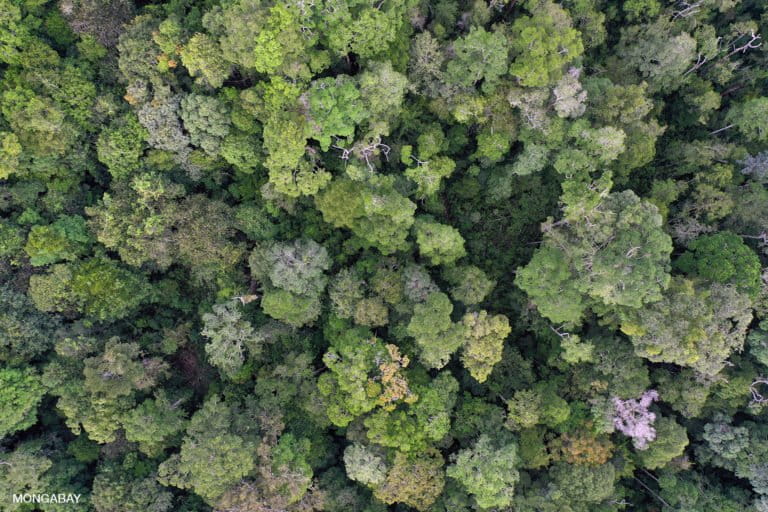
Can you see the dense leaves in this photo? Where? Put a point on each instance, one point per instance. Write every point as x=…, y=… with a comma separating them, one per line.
x=342, y=255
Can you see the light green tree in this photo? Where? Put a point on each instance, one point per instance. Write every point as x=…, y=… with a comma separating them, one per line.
x=438, y=243
x=487, y=472
x=542, y=45
x=618, y=255
x=205, y=61
x=365, y=465
x=378, y=214
x=21, y=393
x=671, y=440
x=212, y=458
x=230, y=335
x=97, y=287
x=692, y=325
x=484, y=343
x=65, y=239
x=436, y=336
x=749, y=117
x=154, y=424
x=336, y=108
x=120, y=369
x=480, y=55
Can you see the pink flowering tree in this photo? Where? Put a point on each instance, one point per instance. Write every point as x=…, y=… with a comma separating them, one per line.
x=633, y=419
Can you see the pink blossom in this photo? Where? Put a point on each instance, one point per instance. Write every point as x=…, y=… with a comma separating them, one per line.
x=632, y=418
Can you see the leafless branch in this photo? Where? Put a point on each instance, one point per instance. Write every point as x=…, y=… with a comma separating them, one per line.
x=757, y=396
x=722, y=129
x=700, y=61
x=750, y=45
x=686, y=9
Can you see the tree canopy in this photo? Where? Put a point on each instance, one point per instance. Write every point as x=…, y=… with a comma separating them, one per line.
x=361, y=256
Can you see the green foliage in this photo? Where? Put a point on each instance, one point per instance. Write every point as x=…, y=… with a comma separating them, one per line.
x=439, y=243
x=39, y=124
x=426, y=420
x=20, y=396
x=206, y=120
x=10, y=150
x=211, y=459
x=548, y=279
x=723, y=258
x=350, y=360
x=670, y=442
x=473, y=415
x=429, y=175
x=276, y=105
x=380, y=216
x=120, y=369
x=758, y=344
x=479, y=55
x=618, y=257
x=229, y=334
x=98, y=287
x=484, y=343
x=487, y=472
x=694, y=490
x=154, y=424
x=435, y=334
x=204, y=60
x=576, y=351
x=64, y=240
x=120, y=146
x=364, y=465
x=14, y=33
x=524, y=410
x=295, y=273
x=297, y=267
x=361, y=28
x=469, y=284
x=146, y=220
x=580, y=484
x=242, y=151
x=335, y=108
x=278, y=48
x=635, y=9
x=25, y=333
x=749, y=117
x=414, y=479
x=291, y=453
x=657, y=52
x=279, y=42
x=117, y=487
x=724, y=439
x=24, y=470
x=475, y=232
x=691, y=326
x=12, y=239
x=382, y=90
x=293, y=309
x=542, y=45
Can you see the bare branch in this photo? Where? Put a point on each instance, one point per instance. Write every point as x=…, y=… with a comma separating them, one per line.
x=757, y=396
x=749, y=46
x=687, y=9
x=700, y=61
x=722, y=129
